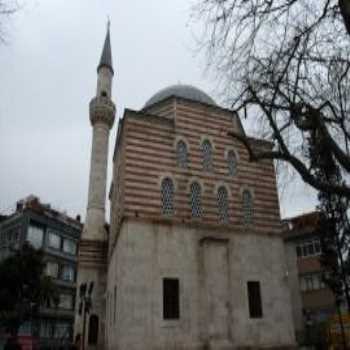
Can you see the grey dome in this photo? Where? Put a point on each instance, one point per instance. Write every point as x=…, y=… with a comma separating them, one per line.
x=185, y=91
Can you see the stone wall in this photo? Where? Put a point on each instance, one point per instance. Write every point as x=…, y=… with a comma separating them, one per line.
x=213, y=268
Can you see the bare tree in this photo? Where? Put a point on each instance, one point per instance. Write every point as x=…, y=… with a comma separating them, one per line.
x=7, y=9
x=285, y=64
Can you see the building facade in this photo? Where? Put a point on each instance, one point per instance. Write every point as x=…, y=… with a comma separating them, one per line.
x=194, y=257
x=301, y=236
x=58, y=236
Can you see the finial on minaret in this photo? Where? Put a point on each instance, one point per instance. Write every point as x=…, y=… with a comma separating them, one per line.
x=106, y=56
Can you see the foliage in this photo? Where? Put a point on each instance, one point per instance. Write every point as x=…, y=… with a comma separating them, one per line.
x=23, y=287
x=334, y=228
x=285, y=64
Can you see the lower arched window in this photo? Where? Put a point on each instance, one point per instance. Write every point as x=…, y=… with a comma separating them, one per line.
x=195, y=199
x=93, y=330
x=167, y=196
x=247, y=206
x=223, y=207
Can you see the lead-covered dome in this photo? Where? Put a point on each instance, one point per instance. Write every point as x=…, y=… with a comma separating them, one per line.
x=185, y=91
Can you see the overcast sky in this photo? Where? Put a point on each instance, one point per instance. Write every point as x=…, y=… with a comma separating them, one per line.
x=48, y=76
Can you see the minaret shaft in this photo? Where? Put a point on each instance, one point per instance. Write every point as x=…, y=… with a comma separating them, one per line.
x=95, y=218
x=92, y=261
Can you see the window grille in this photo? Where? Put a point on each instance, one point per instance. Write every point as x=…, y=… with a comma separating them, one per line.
x=182, y=154
x=207, y=153
x=247, y=207
x=195, y=198
x=223, y=204
x=167, y=196
x=232, y=163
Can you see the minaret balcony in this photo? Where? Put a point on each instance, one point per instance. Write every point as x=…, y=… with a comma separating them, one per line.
x=102, y=110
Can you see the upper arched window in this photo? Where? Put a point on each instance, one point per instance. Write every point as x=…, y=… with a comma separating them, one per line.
x=182, y=154
x=223, y=209
x=195, y=199
x=232, y=163
x=207, y=154
x=247, y=206
x=167, y=196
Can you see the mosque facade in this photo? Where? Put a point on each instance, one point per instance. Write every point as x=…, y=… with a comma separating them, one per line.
x=193, y=257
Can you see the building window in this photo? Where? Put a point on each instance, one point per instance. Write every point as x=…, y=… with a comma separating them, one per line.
x=171, y=299
x=247, y=207
x=254, y=299
x=195, y=198
x=62, y=330
x=308, y=248
x=66, y=301
x=68, y=273
x=35, y=236
x=93, y=330
x=54, y=240
x=52, y=269
x=232, y=163
x=182, y=154
x=312, y=281
x=167, y=196
x=69, y=246
x=207, y=154
x=222, y=198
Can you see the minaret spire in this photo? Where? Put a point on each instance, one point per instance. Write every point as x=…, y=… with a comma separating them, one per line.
x=106, y=56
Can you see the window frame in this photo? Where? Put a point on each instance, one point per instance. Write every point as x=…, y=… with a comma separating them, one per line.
x=37, y=228
x=207, y=160
x=64, y=246
x=166, y=210
x=171, y=299
x=51, y=233
x=255, y=305
x=47, y=268
x=71, y=273
x=224, y=218
x=228, y=159
x=182, y=161
x=193, y=206
x=247, y=209
x=304, y=248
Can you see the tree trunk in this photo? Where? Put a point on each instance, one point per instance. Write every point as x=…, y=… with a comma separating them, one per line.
x=344, y=6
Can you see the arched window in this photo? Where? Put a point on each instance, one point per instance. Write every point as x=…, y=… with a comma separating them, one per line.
x=167, y=196
x=207, y=154
x=232, y=163
x=93, y=330
x=195, y=200
x=247, y=207
x=223, y=204
x=182, y=154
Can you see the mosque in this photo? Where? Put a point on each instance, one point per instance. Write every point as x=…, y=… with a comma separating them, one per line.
x=193, y=257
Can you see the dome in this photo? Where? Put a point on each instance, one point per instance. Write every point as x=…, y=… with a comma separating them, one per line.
x=185, y=91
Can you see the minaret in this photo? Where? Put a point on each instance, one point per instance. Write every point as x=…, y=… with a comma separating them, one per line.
x=92, y=262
